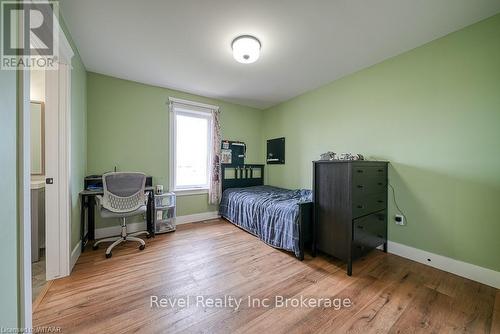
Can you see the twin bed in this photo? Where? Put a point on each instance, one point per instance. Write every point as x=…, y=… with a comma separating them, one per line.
x=282, y=218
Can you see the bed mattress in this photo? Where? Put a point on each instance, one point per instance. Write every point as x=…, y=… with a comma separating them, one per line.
x=270, y=213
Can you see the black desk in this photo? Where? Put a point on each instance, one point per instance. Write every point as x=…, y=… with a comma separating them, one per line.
x=88, y=200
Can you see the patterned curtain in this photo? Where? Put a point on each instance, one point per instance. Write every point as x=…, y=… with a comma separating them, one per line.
x=215, y=190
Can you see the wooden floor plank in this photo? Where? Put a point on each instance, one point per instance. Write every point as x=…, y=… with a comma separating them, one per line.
x=495, y=324
x=216, y=259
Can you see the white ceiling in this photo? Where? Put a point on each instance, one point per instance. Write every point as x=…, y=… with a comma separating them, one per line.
x=185, y=44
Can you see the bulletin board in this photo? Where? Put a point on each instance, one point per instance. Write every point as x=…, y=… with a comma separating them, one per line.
x=233, y=153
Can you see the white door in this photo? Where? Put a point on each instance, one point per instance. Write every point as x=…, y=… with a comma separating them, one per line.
x=57, y=195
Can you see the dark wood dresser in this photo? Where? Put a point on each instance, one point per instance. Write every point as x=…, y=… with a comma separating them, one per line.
x=350, y=208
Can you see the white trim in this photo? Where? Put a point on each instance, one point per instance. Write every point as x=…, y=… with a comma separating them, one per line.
x=105, y=232
x=192, y=111
x=58, y=195
x=65, y=167
x=66, y=54
x=198, y=189
x=197, y=217
x=58, y=154
x=65, y=50
x=464, y=269
x=171, y=147
x=24, y=193
x=52, y=250
x=192, y=103
x=75, y=254
x=189, y=192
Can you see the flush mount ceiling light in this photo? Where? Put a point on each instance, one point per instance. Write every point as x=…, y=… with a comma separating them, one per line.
x=246, y=49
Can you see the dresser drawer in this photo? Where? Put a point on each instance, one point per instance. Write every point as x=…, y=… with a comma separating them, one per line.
x=374, y=225
x=368, y=180
x=365, y=205
x=369, y=232
x=361, y=248
x=369, y=171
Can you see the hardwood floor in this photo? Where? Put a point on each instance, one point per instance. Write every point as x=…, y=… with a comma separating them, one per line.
x=216, y=259
x=38, y=279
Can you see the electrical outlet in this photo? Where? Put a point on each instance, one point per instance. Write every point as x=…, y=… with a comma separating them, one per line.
x=400, y=220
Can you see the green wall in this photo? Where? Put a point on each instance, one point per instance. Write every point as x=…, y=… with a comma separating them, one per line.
x=128, y=127
x=434, y=113
x=8, y=197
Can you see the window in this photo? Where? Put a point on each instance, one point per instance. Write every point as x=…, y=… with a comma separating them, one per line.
x=190, y=146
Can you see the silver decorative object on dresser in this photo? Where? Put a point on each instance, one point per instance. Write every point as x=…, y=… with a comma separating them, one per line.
x=164, y=209
x=331, y=156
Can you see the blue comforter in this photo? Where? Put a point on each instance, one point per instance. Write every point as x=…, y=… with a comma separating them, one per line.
x=268, y=212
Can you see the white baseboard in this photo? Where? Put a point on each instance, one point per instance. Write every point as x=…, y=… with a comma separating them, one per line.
x=75, y=254
x=111, y=231
x=464, y=269
x=197, y=217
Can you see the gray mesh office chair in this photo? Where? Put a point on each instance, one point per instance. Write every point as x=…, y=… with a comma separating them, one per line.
x=123, y=197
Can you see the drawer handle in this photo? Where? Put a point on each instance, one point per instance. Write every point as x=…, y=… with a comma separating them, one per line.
x=380, y=201
x=359, y=170
x=380, y=236
x=360, y=186
x=380, y=183
x=380, y=170
x=360, y=207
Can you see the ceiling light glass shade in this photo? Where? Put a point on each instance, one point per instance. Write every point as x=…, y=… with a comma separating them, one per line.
x=246, y=49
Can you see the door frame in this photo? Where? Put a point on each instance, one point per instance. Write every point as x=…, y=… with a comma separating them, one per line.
x=59, y=87
x=58, y=159
x=24, y=189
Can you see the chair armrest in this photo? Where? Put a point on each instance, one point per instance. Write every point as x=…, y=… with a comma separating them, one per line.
x=99, y=199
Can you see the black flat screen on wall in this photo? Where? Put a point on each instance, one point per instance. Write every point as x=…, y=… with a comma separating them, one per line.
x=276, y=151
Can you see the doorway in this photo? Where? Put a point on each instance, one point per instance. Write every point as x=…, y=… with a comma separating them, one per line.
x=37, y=185
x=49, y=187
x=49, y=113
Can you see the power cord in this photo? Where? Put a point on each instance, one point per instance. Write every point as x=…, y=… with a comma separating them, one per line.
x=396, y=203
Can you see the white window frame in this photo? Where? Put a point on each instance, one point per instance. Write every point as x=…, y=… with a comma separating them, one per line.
x=193, y=109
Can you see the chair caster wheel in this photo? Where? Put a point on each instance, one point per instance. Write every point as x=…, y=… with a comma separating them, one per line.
x=95, y=247
x=141, y=247
x=109, y=255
